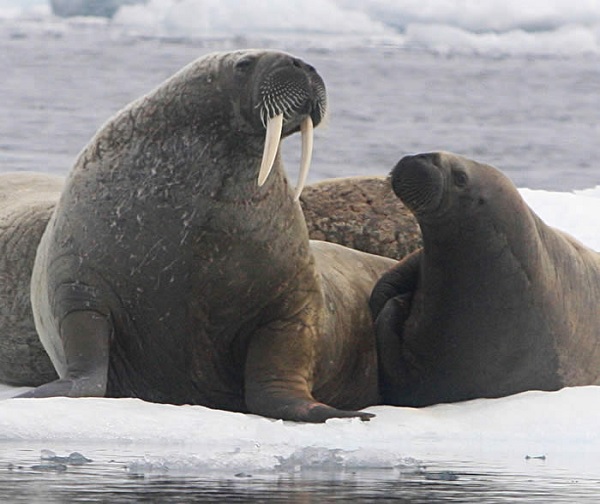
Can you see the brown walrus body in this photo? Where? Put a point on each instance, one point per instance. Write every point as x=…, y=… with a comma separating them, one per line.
x=495, y=303
x=359, y=212
x=167, y=273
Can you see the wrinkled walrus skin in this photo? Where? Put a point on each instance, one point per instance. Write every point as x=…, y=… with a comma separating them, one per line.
x=177, y=267
x=495, y=303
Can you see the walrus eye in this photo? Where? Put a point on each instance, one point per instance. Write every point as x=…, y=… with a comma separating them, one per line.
x=245, y=63
x=460, y=178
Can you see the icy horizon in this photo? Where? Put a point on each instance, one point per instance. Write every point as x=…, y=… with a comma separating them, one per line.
x=496, y=27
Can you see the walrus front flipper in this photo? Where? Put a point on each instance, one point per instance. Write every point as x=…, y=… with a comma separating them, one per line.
x=390, y=305
x=282, y=405
x=399, y=280
x=85, y=338
x=277, y=376
x=389, y=328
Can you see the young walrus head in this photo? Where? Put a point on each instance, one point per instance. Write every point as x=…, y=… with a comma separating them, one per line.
x=285, y=95
x=456, y=199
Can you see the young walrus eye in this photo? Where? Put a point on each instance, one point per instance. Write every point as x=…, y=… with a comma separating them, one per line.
x=460, y=178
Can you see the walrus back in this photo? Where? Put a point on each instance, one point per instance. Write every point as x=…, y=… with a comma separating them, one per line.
x=572, y=284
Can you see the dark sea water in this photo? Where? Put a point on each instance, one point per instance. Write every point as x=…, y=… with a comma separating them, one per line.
x=110, y=477
x=536, y=118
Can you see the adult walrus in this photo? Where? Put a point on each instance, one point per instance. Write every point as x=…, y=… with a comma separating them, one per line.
x=177, y=267
x=359, y=212
x=495, y=303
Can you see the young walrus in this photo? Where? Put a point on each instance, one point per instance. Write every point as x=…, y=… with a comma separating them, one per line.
x=496, y=302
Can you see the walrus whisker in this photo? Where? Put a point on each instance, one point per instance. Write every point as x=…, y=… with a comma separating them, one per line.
x=307, y=146
x=286, y=99
x=272, y=138
x=287, y=105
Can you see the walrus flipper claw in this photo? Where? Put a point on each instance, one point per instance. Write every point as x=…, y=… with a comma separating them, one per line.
x=318, y=413
x=300, y=410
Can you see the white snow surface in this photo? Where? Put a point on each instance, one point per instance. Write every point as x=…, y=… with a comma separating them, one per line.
x=190, y=439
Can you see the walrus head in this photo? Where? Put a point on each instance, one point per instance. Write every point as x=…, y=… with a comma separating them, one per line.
x=456, y=195
x=432, y=183
x=287, y=95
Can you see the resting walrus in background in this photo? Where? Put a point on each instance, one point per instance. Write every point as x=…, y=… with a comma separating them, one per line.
x=495, y=303
x=26, y=202
x=177, y=267
x=362, y=213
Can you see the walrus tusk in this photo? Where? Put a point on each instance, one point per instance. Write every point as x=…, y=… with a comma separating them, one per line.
x=272, y=138
x=307, y=146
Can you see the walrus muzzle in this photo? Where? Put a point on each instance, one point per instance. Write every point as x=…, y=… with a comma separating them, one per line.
x=288, y=95
x=418, y=182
